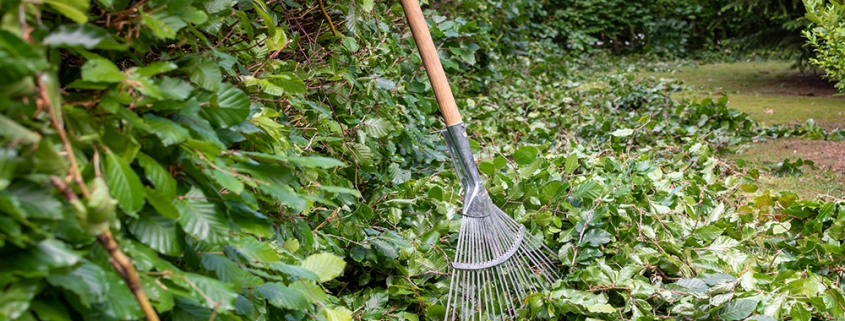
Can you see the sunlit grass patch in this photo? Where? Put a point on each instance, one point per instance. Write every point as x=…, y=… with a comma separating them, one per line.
x=770, y=92
x=827, y=179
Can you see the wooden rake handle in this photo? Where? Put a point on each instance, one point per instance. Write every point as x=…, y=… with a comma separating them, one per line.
x=432, y=62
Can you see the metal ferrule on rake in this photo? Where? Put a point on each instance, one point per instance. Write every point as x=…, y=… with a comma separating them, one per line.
x=476, y=201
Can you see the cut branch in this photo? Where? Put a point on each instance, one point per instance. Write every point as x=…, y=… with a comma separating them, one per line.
x=57, y=124
x=129, y=274
x=120, y=261
x=328, y=18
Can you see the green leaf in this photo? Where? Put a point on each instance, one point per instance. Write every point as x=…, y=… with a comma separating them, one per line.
x=231, y=107
x=694, y=284
x=362, y=153
x=525, y=155
x=83, y=35
x=249, y=221
x=284, y=83
x=8, y=163
x=337, y=314
x=225, y=179
x=385, y=83
x=206, y=74
x=277, y=41
x=185, y=311
x=293, y=270
x=75, y=10
x=216, y=6
x=162, y=204
x=168, y=131
x=326, y=265
x=315, y=162
x=377, y=127
x=284, y=297
x=254, y=250
x=397, y=174
x=175, y=89
x=101, y=70
x=800, y=313
x=11, y=130
x=601, y=308
x=708, y=232
x=124, y=183
x=738, y=310
x=159, y=233
x=625, y=132
x=47, y=159
x=312, y=291
x=15, y=299
x=49, y=310
x=34, y=201
x=201, y=219
x=164, y=182
x=340, y=190
x=571, y=164
x=225, y=269
x=119, y=303
x=385, y=248
x=87, y=281
x=292, y=245
x=156, y=68
x=587, y=190
x=217, y=294
x=595, y=237
x=163, y=26
x=350, y=43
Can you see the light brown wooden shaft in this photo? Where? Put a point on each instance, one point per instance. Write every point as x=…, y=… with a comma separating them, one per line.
x=432, y=62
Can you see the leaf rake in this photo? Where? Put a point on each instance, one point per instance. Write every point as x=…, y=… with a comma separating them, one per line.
x=497, y=263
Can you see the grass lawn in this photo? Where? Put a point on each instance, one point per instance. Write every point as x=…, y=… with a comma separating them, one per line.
x=772, y=93
x=826, y=179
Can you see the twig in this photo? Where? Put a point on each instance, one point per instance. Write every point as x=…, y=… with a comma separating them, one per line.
x=124, y=266
x=130, y=275
x=120, y=261
x=326, y=14
x=272, y=56
x=54, y=117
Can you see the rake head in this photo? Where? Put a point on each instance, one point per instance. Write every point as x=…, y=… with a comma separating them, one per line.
x=497, y=264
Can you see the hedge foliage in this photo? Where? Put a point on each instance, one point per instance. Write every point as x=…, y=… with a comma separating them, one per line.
x=828, y=38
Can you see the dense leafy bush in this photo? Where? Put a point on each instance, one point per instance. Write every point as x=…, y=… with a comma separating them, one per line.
x=673, y=28
x=265, y=168
x=828, y=38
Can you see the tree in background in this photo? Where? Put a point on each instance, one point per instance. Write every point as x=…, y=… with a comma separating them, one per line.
x=827, y=38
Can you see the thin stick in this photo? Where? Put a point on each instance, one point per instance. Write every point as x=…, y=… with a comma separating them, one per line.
x=126, y=270
x=129, y=275
x=120, y=261
x=54, y=117
x=326, y=14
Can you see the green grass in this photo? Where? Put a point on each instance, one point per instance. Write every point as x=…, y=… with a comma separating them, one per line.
x=812, y=183
x=758, y=87
x=773, y=93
